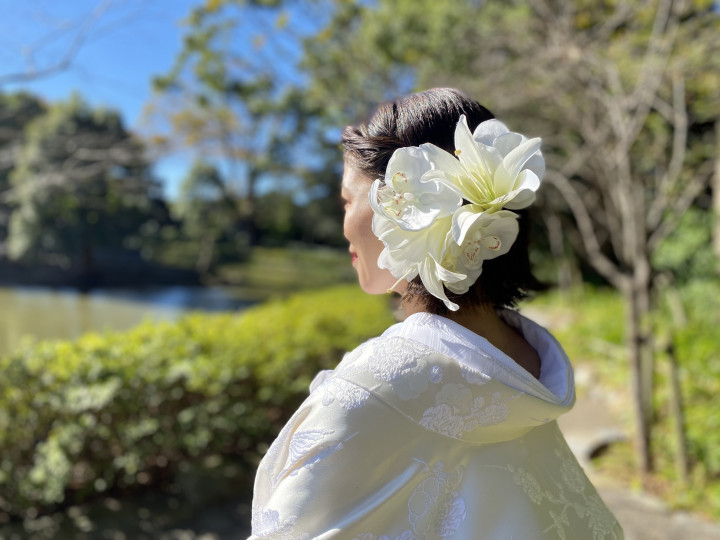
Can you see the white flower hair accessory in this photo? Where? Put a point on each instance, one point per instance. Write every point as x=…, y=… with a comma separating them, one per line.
x=440, y=216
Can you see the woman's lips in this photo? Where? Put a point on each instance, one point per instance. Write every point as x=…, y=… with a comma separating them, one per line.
x=354, y=257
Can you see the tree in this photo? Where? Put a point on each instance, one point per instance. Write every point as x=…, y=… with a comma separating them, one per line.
x=54, y=47
x=236, y=96
x=208, y=213
x=16, y=112
x=80, y=182
x=213, y=106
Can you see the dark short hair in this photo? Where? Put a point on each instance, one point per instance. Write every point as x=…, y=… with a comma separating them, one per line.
x=431, y=117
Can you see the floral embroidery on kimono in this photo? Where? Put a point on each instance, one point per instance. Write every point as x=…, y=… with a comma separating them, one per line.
x=416, y=434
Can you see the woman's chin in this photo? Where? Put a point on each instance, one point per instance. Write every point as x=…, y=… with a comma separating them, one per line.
x=382, y=284
x=372, y=288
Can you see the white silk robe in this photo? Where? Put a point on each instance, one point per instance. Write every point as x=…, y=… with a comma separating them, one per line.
x=426, y=432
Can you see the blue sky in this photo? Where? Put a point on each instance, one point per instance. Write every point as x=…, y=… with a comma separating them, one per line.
x=127, y=43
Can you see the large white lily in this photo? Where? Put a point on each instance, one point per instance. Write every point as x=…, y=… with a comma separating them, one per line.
x=408, y=254
x=408, y=200
x=495, y=168
x=419, y=214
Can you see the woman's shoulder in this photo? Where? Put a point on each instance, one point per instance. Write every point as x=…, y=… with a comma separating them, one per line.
x=390, y=357
x=397, y=369
x=452, y=390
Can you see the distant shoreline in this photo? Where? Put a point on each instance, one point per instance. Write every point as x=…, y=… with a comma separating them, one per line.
x=103, y=275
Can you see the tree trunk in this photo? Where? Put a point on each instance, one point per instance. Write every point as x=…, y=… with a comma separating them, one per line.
x=206, y=253
x=641, y=355
x=716, y=197
x=87, y=278
x=679, y=320
x=647, y=359
x=557, y=248
x=676, y=404
x=635, y=338
x=249, y=220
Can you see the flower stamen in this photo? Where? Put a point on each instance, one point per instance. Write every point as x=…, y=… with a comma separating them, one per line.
x=492, y=242
x=399, y=280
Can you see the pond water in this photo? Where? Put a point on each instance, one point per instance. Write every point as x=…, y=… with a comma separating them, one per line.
x=43, y=313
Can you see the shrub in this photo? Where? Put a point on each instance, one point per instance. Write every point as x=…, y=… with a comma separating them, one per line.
x=122, y=409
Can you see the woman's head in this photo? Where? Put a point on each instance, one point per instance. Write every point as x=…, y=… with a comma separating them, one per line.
x=425, y=117
x=410, y=121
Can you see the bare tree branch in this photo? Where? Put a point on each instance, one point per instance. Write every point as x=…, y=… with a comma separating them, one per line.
x=32, y=72
x=655, y=61
x=679, y=122
x=587, y=231
x=674, y=213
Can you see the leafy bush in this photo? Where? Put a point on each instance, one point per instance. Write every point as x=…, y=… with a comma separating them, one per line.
x=123, y=409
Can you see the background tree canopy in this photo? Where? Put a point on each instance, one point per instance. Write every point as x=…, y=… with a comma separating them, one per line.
x=624, y=95
x=80, y=181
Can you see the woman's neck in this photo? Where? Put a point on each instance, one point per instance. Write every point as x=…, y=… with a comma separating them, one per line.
x=484, y=321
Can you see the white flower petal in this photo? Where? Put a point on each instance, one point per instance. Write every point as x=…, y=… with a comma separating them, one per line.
x=463, y=286
x=468, y=151
x=446, y=169
x=409, y=160
x=513, y=162
x=408, y=200
x=520, y=199
x=489, y=130
x=382, y=225
x=429, y=276
x=396, y=238
x=436, y=235
x=445, y=275
x=536, y=164
x=399, y=269
x=463, y=220
x=527, y=179
x=483, y=236
x=502, y=229
x=506, y=175
x=507, y=142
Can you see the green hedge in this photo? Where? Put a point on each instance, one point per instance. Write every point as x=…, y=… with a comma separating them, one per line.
x=118, y=410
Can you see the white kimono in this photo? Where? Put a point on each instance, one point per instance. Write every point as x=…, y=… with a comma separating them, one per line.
x=426, y=432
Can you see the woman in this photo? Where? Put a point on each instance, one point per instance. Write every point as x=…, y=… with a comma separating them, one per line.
x=444, y=426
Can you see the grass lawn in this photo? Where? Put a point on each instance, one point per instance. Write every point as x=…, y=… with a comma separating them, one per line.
x=277, y=272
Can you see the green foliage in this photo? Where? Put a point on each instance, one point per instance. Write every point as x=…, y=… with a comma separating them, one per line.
x=698, y=350
x=209, y=214
x=16, y=111
x=236, y=95
x=590, y=324
x=280, y=220
x=81, y=182
x=687, y=251
x=122, y=409
x=273, y=271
